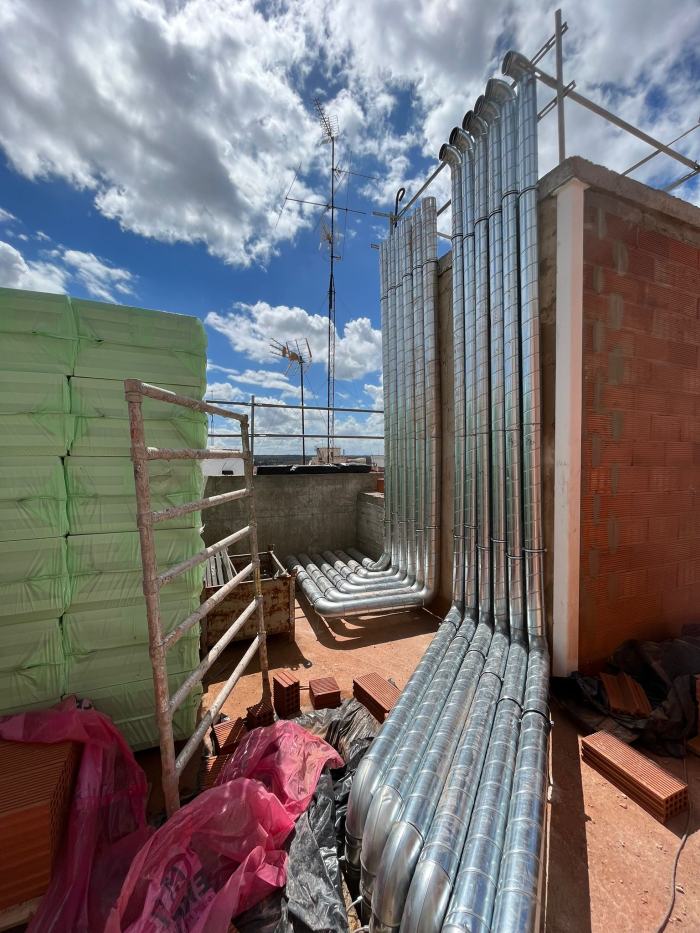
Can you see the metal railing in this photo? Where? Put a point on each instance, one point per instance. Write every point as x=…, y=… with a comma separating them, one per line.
x=302, y=435
x=153, y=581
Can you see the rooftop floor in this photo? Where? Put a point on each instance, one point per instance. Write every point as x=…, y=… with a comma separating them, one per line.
x=609, y=861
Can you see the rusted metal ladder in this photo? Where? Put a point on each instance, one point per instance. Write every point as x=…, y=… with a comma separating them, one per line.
x=153, y=581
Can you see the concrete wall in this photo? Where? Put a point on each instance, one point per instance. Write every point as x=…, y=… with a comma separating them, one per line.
x=369, y=533
x=295, y=513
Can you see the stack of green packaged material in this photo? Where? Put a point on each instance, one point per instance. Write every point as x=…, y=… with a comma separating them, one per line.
x=104, y=628
x=72, y=613
x=38, y=345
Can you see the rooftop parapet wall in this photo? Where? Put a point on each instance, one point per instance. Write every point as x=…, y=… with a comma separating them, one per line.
x=294, y=512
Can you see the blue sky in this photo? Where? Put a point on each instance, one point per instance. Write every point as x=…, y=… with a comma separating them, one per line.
x=146, y=145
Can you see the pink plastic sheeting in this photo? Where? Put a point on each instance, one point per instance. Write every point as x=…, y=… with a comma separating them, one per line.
x=221, y=854
x=287, y=759
x=107, y=819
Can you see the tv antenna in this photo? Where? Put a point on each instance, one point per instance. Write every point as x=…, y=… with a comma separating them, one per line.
x=298, y=354
x=329, y=236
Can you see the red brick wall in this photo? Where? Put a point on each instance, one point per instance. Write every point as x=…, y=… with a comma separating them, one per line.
x=640, y=484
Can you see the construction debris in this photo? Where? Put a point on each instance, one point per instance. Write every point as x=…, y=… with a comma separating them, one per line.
x=376, y=693
x=653, y=788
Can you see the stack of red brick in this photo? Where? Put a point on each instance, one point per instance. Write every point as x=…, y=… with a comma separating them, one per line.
x=286, y=694
x=36, y=787
x=260, y=714
x=226, y=736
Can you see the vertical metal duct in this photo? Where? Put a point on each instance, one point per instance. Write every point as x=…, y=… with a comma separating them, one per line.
x=453, y=158
x=516, y=900
x=337, y=584
x=478, y=129
x=463, y=141
x=489, y=111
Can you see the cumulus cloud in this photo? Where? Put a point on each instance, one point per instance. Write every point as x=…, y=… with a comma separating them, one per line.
x=250, y=327
x=269, y=378
x=59, y=269
x=101, y=279
x=194, y=116
x=17, y=272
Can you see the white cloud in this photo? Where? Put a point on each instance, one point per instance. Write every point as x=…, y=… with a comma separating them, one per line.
x=101, y=279
x=187, y=120
x=269, y=378
x=6, y=217
x=250, y=327
x=17, y=272
x=59, y=269
x=182, y=119
x=376, y=393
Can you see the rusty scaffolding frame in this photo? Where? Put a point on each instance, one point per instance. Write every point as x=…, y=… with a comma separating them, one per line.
x=153, y=581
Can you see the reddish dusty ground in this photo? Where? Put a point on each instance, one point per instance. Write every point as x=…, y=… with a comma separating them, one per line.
x=609, y=861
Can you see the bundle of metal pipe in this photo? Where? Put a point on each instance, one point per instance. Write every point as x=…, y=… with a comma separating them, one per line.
x=340, y=584
x=445, y=815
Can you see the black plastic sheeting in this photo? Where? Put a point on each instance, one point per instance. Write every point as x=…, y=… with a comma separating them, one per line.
x=312, y=900
x=665, y=669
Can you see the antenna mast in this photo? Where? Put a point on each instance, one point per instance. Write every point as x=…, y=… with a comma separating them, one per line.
x=329, y=126
x=297, y=353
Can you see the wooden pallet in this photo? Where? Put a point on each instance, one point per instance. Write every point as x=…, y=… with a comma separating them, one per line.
x=652, y=787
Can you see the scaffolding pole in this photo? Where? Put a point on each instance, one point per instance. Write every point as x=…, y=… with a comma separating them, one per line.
x=153, y=581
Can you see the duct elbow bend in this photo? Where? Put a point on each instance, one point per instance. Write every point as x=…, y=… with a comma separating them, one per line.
x=396, y=869
x=384, y=811
x=498, y=91
x=451, y=155
x=364, y=786
x=460, y=139
x=428, y=899
x=516, y=65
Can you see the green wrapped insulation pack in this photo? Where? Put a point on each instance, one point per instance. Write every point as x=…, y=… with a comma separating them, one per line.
x=120, y=626
x=38, y=333
x=33, y=393
x=101, y=492
x=104, y=398
x=138, y=327
x=32, y=498
x=33, y=581
x=72, y=611
x=32, y=665
x=131, y=707
x=34, y=414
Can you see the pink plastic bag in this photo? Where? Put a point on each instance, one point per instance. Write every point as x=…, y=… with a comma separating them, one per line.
x=107, y=819
x=221, y=854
